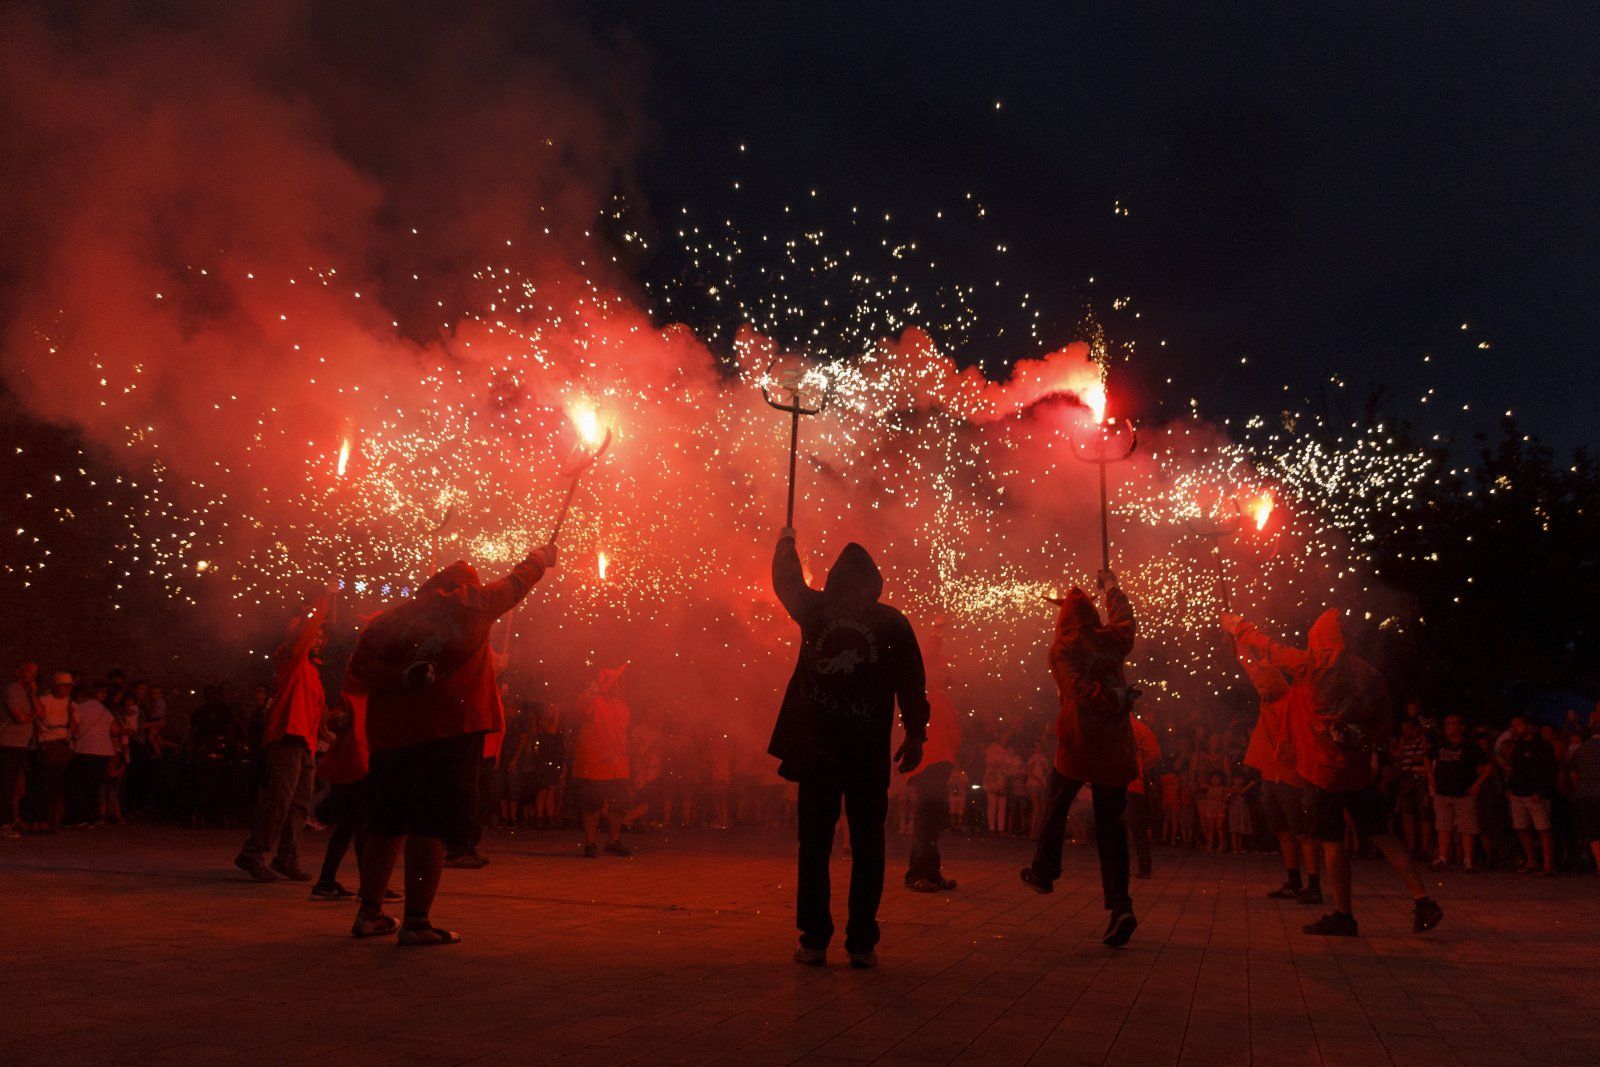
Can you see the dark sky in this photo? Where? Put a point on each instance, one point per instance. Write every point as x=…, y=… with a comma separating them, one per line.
x=1321, y=188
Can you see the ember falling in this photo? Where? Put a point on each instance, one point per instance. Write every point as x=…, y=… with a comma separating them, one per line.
x=311, y=375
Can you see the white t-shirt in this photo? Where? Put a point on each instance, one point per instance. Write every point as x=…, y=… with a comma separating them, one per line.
x=94, y=729
x=55, y=718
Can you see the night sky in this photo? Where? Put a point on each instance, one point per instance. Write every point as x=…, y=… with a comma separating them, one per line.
x=1323, y=191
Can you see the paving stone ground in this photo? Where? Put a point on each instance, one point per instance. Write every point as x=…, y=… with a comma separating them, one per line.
x=142, y=945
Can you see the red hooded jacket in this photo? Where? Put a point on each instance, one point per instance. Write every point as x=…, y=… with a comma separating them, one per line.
x=1095, y=739
x=446, y=626
x=1148, y=750
x=1337, y=708
x=298, y=702
x=1270, y=736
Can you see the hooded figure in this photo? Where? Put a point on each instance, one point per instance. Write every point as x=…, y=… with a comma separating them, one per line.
x=428, y=673
x=857, y=658
x=1095, y=747
x=1336, y=711
x=427, y=663
x=298, y=702
x=1094, y=737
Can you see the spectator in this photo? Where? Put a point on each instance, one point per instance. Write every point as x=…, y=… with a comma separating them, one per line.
x=293, y=726
x=16, y=738
x=1411, y=786
x=1000, y=762
x=1137, y=815
x=1241, y=822
x=1583, y=773
x=92, y=749
x=54, y=723
x=1456, y=770
x=600, y=768
x=1214, y=811
x=1531, y=778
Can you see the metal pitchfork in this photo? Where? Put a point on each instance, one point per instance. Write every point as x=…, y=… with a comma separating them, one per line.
x=795, y=410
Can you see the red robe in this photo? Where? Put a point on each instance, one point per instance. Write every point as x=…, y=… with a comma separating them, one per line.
x=1095, y=739
x=1270, y=737
x=446, y=625
x=1336, y=714
x=1148, y=751
x=298, y=702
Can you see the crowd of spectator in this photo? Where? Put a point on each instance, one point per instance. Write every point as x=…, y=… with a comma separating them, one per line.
x=75, y=752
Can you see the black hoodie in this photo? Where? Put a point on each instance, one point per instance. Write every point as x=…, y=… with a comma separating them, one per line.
x=857, y=657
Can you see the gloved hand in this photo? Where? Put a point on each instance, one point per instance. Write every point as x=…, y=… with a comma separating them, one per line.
x=419, y=675
x=1105, y=579
x=1231, y=623
x=786, y=534
x=546, y=554
x=909, y=754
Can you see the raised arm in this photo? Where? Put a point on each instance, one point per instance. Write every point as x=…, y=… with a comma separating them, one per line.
x=1292, y=661
x=500, y=596
x=1120, y=623
x=789, y=579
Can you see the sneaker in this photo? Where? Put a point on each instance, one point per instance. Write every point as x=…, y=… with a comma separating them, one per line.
x=10, y=830
x=330, y=892
x=947, y=884
x=811, y=957
x=1119, y=929
x=464, y=861
x=1144, y=871
x=254, y=868
x=1333, y=924
x=1286, y=891
x=483, y=861
x=617, y=848
x=1426, y=916
x=863, y=961
x=1309, y=896
x=591, y=852
x=1038, y=882
x=392, y=894
x=1438, y=865
x=290, y=871
x=922, y=885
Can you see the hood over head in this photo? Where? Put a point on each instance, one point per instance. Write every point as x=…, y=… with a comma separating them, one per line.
x=1326, y=637
x=1077, y=612
x=458, y=575
x=854, y=576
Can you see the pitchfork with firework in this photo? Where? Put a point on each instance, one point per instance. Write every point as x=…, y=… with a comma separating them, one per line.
x=593, y=441
x=790, y=379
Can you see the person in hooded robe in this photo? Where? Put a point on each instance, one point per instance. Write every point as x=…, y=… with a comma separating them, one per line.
x=1281, y=785
x=290, y=731
x=1337, y=726
x=1095, y=746
x=427, y=670
x=858, y=658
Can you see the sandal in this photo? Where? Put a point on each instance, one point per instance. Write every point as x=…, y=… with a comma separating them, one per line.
x=427, y=935
x=374, y=925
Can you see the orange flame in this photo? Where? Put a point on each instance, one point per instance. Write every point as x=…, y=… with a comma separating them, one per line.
x=604, y=563
x=344, y=457
x=586, y=418
x=1261, y=510
x=1094, y=398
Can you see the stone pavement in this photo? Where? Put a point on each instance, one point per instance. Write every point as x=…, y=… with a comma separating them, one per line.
x=142, y=945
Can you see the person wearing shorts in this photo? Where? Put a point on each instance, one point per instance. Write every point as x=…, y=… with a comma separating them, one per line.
x=1457, y=769
x=427, y=670
x=601, y=774
x=1280, y=785
x=1531, y=774
x=1337, y=719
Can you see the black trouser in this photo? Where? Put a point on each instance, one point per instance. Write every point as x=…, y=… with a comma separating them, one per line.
x=866, y=805
x=483, y=806
x=1137, y=818
x=13, y=769
x=1110, y=836
x=931, y=792
x=84, y=776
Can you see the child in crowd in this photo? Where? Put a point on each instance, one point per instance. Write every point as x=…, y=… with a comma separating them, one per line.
x=1241, y=822
x=1214, y=811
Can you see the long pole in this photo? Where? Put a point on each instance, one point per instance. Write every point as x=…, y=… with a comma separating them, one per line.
x=572, y=487
x=1105, y=520
x=794, y=450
